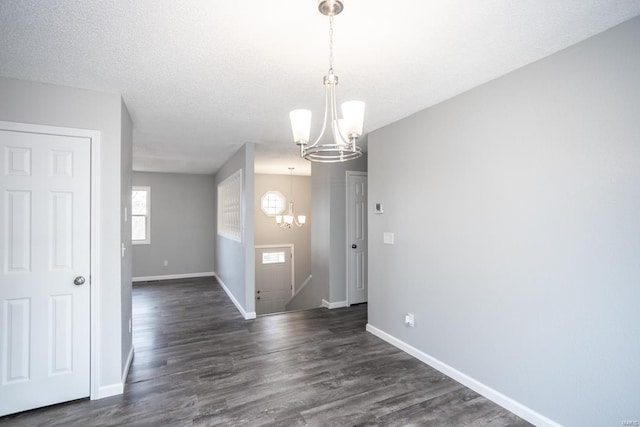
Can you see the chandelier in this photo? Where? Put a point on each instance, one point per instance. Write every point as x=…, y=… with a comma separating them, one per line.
x=345, y=130
x=289, y=219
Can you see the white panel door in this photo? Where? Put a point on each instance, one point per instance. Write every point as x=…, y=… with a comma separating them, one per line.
x=356, y=237
x=44, y=247
x=274, y=279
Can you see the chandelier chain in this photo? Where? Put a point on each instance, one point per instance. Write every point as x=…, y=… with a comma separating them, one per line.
x=291, y=183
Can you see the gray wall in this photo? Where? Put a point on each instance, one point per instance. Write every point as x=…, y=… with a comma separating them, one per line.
x=267, y=232
x=44, y=104
x=320, y=238
x=516, y=212
x=235, y=261
x=182, y=225
x=126, y=159
x=328, y=235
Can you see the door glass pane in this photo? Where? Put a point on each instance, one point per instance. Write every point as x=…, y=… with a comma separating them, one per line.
x=273, y=257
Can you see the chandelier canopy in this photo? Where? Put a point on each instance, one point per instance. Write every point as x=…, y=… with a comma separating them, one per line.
x=345, y=130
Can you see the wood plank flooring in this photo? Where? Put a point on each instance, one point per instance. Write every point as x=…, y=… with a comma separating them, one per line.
x=198, y=363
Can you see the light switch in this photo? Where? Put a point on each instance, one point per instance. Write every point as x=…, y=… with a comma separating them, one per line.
x=388, y=238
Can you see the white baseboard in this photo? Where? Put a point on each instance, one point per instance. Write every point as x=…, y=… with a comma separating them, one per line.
x=127, y=365
x=108, y=391
x=475, y=385
x=117, y=388
x=332, y=305
x=172, y=276
x=247, y=315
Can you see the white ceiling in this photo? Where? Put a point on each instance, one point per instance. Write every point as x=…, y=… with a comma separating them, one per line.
x=202, y=77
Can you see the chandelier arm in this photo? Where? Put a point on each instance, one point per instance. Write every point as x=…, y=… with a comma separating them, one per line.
x=324, y=121
x=334, y=119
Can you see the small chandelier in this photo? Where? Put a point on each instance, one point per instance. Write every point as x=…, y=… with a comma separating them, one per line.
x=289, y=220
x=345, y=131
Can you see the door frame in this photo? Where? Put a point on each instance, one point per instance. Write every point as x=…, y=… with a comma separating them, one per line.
x=293, y=259
x=94, y=235
x=348, y=175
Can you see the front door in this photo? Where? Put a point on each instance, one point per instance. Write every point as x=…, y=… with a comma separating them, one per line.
x=356, y=237
x=274, y=279
x=44, y=269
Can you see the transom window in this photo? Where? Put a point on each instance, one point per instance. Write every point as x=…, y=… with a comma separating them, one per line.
x=273, y=203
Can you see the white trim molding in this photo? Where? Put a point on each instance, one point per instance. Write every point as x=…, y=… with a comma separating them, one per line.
x=332, y=305
x=495, y=396
x=127, y=366
x=116, y=388
x=173, y=276
x=94, y=233
x=108, y=391
x=247, y=315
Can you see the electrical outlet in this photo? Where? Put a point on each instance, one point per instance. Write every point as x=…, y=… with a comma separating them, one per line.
x=165, y=263
x=409, y=320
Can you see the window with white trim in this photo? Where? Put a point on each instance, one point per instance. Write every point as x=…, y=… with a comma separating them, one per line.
x=272, y=203
x=141, y=215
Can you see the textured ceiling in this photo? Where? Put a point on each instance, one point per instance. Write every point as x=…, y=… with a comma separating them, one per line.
x=201, y=77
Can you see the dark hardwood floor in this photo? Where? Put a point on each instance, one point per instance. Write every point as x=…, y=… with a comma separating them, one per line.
x=198, y=363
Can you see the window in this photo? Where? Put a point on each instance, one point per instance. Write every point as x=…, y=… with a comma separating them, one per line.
x=230, y=207
x=273, y=258
x=272, y=203
x=141, y=215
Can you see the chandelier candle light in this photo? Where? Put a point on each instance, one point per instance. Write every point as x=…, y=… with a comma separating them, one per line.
x=289, y=219
x=347, y=130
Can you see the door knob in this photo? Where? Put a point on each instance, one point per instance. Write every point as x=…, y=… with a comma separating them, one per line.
x=78, y=281
x=354, y=246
